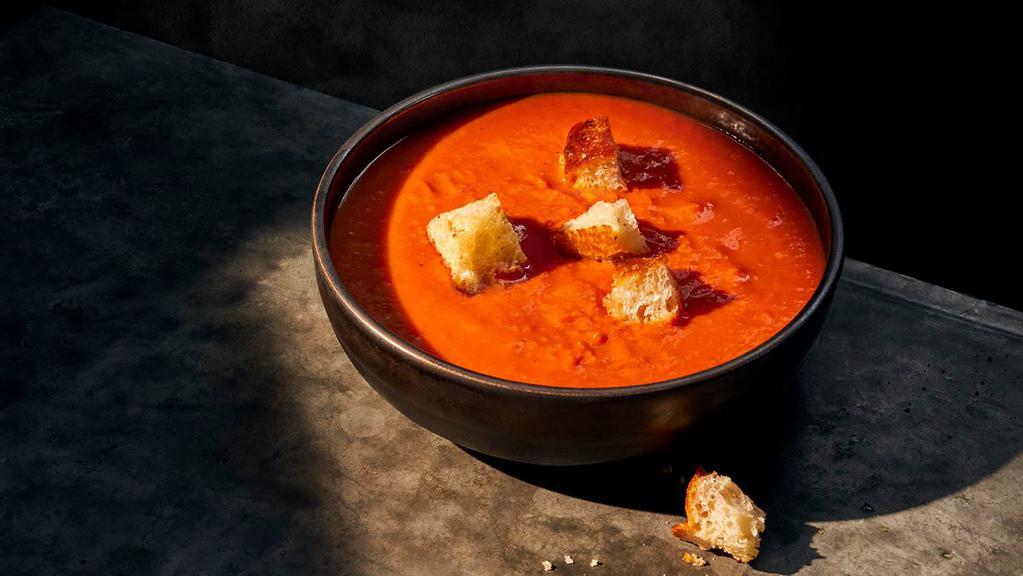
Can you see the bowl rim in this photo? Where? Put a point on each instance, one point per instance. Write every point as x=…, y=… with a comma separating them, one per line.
x=470, y=378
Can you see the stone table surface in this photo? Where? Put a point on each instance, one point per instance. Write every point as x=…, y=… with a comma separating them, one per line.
x=172, y=399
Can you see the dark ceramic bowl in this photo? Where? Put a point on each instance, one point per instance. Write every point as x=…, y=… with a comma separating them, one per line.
x=546, y=425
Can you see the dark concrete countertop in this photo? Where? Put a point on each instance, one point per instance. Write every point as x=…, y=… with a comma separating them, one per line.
x=172, y=399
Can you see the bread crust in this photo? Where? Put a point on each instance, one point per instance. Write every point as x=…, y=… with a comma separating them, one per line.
x=595, y=242
x=687, y=530
x=591, y=159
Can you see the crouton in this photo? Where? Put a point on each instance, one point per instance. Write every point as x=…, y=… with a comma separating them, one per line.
x=476, y=242
x=603, y=231
x=643, y=291
x=591, y=159
x=719, y=515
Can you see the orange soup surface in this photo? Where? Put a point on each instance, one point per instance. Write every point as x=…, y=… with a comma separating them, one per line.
x=743, y=247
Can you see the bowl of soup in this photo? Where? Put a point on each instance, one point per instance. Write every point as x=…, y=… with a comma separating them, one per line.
x=533, y=368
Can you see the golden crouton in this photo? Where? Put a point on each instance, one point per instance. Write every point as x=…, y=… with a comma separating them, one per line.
x=643, y=291
x=603, y=231
x=476, y=242
x=719, y=515
x=591, y=159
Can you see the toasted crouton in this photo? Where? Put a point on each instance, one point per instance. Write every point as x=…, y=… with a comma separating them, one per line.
x=603, y=231
x=719, y=515
x=476, y=242
x=643, y=291
x=591, y=159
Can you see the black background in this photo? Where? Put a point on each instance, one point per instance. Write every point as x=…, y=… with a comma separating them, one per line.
x=905, y=109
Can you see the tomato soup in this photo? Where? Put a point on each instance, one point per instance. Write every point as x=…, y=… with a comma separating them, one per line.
x=743, y=248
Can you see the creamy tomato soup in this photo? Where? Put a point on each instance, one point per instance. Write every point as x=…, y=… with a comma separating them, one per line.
x=743, y=248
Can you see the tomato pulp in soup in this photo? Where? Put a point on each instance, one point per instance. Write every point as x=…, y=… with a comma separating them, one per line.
x=743, y=248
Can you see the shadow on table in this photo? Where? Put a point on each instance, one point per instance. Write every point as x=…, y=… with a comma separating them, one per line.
x=148, y=418
x=878, y=421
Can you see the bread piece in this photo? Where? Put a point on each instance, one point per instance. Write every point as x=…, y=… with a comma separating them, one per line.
x=643, y=291
x=603, y=231
x=719, y=515
x=476, y=242
x=591, y=159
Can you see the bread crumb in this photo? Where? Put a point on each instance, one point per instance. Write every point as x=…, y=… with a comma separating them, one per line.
x=569, y=560
x=693, y=559
x=594, y=563
x=476, y=242
x=547, y=566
